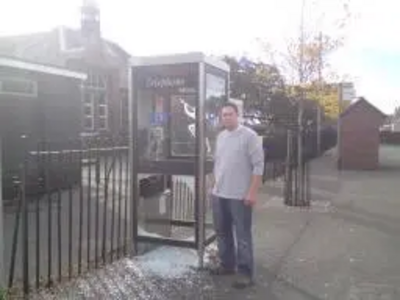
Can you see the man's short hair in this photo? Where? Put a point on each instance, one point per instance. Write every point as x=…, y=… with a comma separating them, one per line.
x=232, y=105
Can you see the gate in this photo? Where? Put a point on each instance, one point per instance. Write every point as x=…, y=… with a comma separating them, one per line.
x=70, y=213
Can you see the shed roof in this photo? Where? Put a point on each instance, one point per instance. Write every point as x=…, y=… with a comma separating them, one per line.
x=361, y=101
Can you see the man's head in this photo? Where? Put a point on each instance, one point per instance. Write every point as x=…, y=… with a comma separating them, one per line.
x=229, y=115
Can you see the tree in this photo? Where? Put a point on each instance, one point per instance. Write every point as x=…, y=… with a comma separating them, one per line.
x=396, y=113
x=326, y=97
x=256, y=83
x=309, y=56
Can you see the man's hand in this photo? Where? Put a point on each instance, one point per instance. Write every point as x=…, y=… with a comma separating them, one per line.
x=251, y=199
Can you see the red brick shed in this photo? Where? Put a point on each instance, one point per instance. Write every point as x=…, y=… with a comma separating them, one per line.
x=359, y=136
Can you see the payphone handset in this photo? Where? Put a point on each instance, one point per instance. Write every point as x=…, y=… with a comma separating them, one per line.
x=190, y=111
x=155, y=137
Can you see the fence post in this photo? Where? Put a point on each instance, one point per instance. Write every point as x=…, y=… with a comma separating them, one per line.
x=2, y=242
x=288, y=200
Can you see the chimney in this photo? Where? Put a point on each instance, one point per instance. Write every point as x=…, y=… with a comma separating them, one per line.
x=90, y=20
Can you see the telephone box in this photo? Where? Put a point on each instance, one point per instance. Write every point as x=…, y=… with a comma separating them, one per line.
x=174, y=102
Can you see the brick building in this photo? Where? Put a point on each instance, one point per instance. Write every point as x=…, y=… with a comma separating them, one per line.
x=359, y=139
x=105, y=97
x=37, y=103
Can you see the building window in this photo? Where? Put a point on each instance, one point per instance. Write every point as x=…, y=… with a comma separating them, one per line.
x=102, y=111
x=103, y=123
x=96, y=99
x=88, y=123
x=102, y=99
x=97, y=81
x=18, y=87
x=88, y=110
x=88, y=98
x=103, y=116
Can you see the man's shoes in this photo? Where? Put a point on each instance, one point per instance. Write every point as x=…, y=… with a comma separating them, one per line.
x=221, y=271
x=243, y=282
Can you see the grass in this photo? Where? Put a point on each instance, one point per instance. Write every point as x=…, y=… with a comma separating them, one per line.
x=3, y=294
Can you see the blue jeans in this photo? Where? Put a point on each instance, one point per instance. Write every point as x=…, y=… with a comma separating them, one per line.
x=232, y=218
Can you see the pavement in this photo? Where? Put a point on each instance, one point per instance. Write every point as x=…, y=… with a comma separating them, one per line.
x=344, y=247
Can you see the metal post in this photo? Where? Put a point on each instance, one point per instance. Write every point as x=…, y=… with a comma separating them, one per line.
x=319, y=130
x=300, y=110
x=338, y=136
x=25, y=233
x=2, y=242
x=288, y=170
x=200, y=174
x=319, y=94
x=132, y=162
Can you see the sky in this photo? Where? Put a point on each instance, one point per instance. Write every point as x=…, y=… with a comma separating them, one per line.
x=370, y=56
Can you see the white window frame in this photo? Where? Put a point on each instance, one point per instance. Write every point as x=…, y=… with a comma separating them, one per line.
x=87, y=104
x=93, y=86
x=86, y=128
x=33, y=94
x=105, y=116
x=94, y=80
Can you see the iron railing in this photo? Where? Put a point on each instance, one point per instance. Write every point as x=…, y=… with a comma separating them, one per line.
x=69, y=213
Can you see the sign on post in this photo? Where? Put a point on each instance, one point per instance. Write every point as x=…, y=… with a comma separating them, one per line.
x=348, y=91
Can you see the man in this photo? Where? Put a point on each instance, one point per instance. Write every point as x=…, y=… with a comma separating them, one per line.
x=238, y=170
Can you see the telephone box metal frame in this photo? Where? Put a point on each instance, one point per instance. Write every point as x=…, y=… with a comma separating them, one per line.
x=198, y=165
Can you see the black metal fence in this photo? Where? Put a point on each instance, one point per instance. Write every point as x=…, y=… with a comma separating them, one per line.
x=278, y=146
x=69, y=213
x=281, y=160
x=297, y=176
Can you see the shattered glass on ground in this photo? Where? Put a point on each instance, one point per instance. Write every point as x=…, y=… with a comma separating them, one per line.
x=164, y=273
